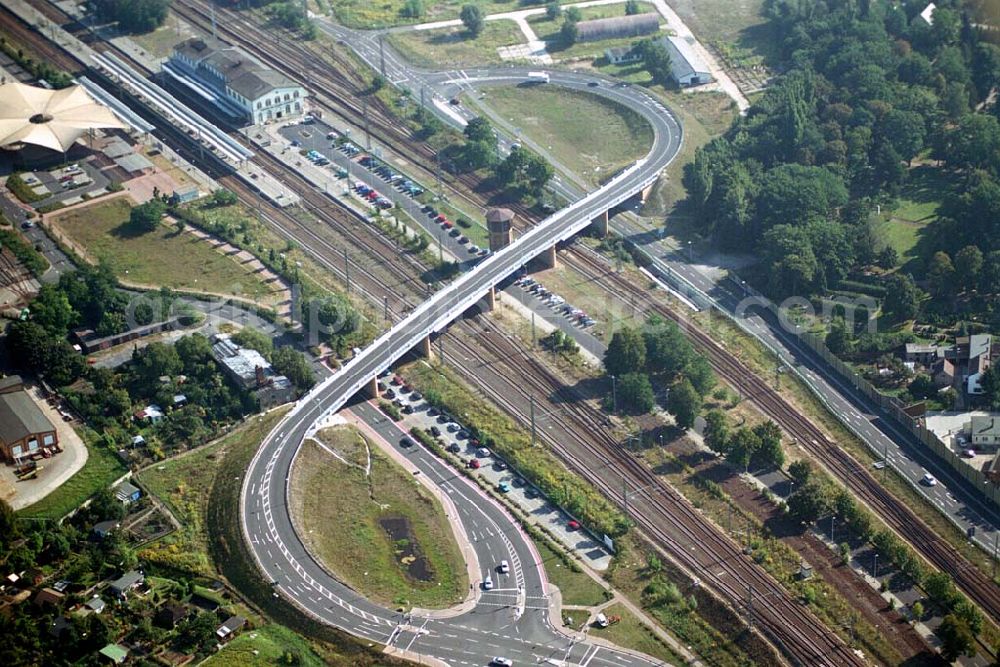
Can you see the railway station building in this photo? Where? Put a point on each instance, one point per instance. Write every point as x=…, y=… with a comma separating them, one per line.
x=233, y=80
x=24, y=428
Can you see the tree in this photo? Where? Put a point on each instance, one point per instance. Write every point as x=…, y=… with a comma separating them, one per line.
x=197, y=632
x=223, y=197
x=553, y=11
x=742, y=445
x=684, y=403
x=941, y=274
x=635, y=393
x=479, y=129
x=255, y=339
x=524, y=169
x=8, y=524
x=922, y=386
x=632, y=7
x=472, y=19
x=412, y=9
x=135, y=16
x=941, y=590
x=989, y=280
x=808, y=503
x=293, y=364
x=569, y=32
x=104, y=506
x=52, y=310
x=146, y=217
x=626, y=353
x=574, y=14
x=904, y=130
x=956, y=638
x=968, y=265
x=838, y=339
x=716, y=432
x=800, y=471
x=656, y=61
x=769, y=453
x=700, y=374
x=668, y=352
x=902, y=297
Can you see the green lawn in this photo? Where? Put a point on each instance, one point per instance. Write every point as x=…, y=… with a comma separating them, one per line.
x=629, y=632
x=454, y=47
x=349, y=536
x=102, y=468
x=563, y=122
x=734, y=21
x=184, y=484
x=916, y=208
x=576, y=587
x=548, y=31
x=269, y=645
x=368, y=14
x=162, y=257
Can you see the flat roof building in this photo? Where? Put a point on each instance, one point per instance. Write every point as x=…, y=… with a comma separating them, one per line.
x=235, y=81
x=250, y=370
x=24, y=428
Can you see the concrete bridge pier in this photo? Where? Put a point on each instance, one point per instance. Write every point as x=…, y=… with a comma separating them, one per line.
x=371, y=389
x=490, y=299
x=423, y=348
x=646, y=191
x=547, y=259
x=600, y=225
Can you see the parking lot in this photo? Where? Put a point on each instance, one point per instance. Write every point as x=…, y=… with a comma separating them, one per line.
x=483, y=463
x=375, y=183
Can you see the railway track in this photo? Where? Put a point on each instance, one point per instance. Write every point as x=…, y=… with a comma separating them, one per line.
x=662, y=513
x=856, y=477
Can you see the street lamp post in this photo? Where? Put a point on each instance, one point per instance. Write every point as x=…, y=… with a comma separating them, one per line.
x=614, y=395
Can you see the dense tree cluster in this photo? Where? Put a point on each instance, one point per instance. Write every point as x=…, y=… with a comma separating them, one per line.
x=84, y=298
x=870, y=87
x=659, y=353
x=133, y=15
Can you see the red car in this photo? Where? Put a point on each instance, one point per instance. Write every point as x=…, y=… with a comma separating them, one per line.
x=396, y=380
x=573, y=524
x=447, y=224
x=474, y=464
x=441, y=218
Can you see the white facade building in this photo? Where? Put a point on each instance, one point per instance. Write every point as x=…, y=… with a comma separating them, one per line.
x=239, y=82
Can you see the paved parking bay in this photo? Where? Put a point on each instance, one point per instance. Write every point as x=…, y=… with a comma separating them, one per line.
x=313, y=136
x=495, y=472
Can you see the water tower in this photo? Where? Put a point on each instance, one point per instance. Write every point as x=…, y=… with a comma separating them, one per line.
x=498, y=221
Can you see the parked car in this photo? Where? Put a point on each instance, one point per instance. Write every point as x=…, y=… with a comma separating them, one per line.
x=573, y=524
x=435, y=431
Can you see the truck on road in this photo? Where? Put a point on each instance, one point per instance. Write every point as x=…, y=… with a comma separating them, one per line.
x=538, y=77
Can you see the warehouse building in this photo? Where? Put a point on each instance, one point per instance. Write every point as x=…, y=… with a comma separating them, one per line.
x=618, y=27
x=233, y=80
x=688, y=67
x=24, y=429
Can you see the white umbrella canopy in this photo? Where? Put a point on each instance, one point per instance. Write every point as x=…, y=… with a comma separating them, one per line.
x=53, y=119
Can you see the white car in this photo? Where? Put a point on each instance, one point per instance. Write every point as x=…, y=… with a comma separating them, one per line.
x=928, y=479
x=504, y=567
x=488, y=583
x=501, y=662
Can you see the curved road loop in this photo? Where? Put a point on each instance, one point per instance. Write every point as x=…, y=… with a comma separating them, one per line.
x=512, y=620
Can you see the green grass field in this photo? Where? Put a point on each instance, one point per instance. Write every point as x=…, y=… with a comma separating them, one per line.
x=453, y=47
x=183, y=484
x=733, y=21
x=162, y=257
x=576, y=587
x=269, y=645
x=548, y=31
x=563, y=121
x=631, y=633
x=339, y=510
x=916, y=208
x=368, y=14
x=102, y=468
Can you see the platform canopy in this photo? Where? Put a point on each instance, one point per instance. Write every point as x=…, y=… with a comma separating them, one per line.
x=49, y=118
